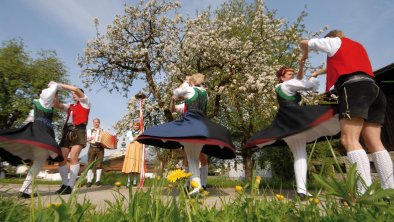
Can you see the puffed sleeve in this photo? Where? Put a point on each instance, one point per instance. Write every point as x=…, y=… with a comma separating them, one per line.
x=47, y=95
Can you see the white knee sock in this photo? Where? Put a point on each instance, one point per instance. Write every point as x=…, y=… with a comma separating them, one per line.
x=33, y=171
x=63, y=170
x=360, y=158
x=204, y=175
x=193, y=154
x=384, y=167
x=74, y=170
x=98, y=174
x=90, y=176
x=187, y=181
x=128, y=179
x=298, y=148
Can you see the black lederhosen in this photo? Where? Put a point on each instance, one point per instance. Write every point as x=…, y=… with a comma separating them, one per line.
x=359, y=96
x=75, y=135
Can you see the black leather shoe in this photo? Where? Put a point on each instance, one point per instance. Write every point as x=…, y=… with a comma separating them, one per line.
x=68, y=190
x=303, y=197
x=62, y=188
x=25, y=195
x=98, y=183
x=89, y=184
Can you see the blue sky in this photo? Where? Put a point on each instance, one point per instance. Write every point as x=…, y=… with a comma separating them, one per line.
x=66, y=25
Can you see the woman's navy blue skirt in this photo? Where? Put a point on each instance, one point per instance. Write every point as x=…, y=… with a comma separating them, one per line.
x=194, y=127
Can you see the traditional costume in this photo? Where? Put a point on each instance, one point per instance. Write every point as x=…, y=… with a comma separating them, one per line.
x=133, y=157
x=349, y=68
x=297, y=125
x=95, y=152
x=75, y=135
x=35, y=141
x=195, y=132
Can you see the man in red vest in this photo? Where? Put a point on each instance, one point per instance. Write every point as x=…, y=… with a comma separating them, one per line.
x=74, y=137
x=361, y=104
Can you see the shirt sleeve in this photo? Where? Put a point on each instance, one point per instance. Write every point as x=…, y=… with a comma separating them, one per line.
x=129, y=136
x=186, y=92
x=327, y=45
x=180, y=108
x=47, y=96
x=89, y=133
x=30, y=117
x=85, y=103
x=291, y=87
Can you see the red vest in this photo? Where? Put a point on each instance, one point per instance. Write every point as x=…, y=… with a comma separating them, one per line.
x=351, y=57
x=79, y=113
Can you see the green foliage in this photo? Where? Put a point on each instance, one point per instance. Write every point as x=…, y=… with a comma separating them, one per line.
x=279, y=160
x=12, y=209
x=22, y=77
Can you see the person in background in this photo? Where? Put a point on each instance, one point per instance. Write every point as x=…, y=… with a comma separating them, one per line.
x=74, y=138
x=95, y=153
x=361, y=103
x=133, y=157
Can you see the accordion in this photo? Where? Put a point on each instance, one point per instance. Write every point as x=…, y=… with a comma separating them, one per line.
x=105, y=139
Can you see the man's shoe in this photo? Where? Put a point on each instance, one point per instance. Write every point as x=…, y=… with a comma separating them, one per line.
x=89, y=184
x=25, y=195
x=98, y=183
x=61, y=190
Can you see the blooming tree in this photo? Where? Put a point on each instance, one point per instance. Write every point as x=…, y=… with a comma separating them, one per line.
x=238, y=47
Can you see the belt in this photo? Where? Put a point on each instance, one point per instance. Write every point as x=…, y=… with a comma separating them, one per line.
x=351, y=78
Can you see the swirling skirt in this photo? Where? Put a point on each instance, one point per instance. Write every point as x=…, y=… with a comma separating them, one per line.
x=308, y=122
x=194, y=127
x=18, y=145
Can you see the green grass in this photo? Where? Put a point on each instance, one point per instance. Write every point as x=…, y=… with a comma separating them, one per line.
x=149, y=205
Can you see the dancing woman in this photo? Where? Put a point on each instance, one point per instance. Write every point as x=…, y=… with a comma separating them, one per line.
x=295, y=124
x=195, y=132
x=361, y=104
x=34, y=141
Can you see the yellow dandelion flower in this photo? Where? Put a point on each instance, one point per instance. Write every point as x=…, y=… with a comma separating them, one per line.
x=194, y=184
x=238, y=189
x=170, y=185
x=206, y=193
x=57, y=204
x=49, y=205
x=314, y=200
x=158, y=177
x=118, y=184
x=176, y=175
x=201, y=201
x=258, y=177
x=279, y=197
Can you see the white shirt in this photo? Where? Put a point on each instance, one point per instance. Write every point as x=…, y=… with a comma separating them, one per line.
x=327, y=45
x=130, y=136
x=89, y=134
x=186, y=91
x=47, y=96
x=291, y=87
x=85, y=103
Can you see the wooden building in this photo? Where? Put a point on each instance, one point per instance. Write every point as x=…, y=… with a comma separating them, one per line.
x=385, y=80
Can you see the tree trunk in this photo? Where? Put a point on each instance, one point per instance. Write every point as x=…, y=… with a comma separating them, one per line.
x=248, y=164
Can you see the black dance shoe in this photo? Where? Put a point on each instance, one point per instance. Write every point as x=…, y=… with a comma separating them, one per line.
x=98, y=183
x=62, y=188
x=89, y=184
x=25, y=195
